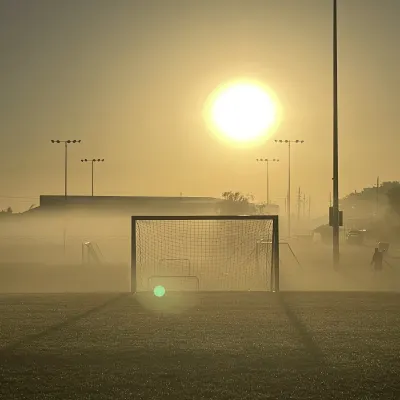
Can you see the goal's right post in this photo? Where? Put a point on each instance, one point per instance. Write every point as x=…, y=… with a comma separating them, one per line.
x=275, y=254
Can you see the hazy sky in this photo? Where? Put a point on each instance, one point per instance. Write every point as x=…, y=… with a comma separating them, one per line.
x=129, y=78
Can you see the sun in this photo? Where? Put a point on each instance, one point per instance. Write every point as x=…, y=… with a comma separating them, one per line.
x=242, y=112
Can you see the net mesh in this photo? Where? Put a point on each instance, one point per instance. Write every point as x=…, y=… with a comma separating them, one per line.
x=220, y=254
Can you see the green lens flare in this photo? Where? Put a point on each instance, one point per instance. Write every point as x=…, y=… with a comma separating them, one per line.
x=159, y=291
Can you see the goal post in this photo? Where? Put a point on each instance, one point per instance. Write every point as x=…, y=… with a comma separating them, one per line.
x=206, y=253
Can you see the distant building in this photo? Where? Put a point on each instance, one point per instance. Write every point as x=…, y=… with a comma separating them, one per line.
x=123, y=205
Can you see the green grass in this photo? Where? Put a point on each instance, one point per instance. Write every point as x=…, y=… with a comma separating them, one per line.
x=200, y=346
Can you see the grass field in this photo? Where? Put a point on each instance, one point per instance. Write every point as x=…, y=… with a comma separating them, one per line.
x=200, y=346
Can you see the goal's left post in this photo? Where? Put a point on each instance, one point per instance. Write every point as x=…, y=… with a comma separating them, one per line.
x=133, y=256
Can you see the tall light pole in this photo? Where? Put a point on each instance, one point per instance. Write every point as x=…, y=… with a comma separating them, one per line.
x=335, y=209
x=289, y=142
x=94, y=160
x=267, y=161
x=66, y=143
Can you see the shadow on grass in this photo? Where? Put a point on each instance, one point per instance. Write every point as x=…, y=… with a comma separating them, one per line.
x=60, y=326
x=162, y=373
x=303, y=332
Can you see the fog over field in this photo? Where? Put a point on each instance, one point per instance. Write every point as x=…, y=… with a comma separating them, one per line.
x=84, y=253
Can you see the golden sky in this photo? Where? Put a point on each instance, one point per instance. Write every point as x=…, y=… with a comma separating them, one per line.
x=129, y=78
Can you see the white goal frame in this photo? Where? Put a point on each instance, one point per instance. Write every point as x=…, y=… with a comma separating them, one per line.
x=274, y=283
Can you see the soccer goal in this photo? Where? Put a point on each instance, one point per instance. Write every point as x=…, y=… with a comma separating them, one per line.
x=205, y=253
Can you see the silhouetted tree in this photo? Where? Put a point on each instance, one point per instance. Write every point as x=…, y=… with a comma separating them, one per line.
x=369, y=193
x=236, y=203
x=8, y=211
x=260, y=208
x=393, y=196
x=366, y=201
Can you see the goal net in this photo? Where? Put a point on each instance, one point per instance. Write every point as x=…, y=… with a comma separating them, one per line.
x=216, y=253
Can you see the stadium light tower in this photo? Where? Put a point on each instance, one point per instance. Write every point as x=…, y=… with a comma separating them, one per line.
x=94, y=160
x=66, y=143
x=289, y=142
x=335, y=209
x=267, y=161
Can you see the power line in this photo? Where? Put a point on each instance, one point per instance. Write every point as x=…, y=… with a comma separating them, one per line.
x=19, y=197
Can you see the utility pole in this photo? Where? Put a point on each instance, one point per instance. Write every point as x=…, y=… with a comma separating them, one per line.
x=335, y=209
x=309, y=208
x=377, y=196
x=304, y=206
x=289, y=142
x=298, y=204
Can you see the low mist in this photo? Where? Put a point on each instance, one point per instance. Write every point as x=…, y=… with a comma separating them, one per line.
x=77, y=251
x=314, y=270
x=91, y=252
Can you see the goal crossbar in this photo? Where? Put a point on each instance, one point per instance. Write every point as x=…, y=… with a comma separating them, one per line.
x=153, y=236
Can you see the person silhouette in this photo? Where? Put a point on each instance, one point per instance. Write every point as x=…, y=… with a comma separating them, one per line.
x=377, y=260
